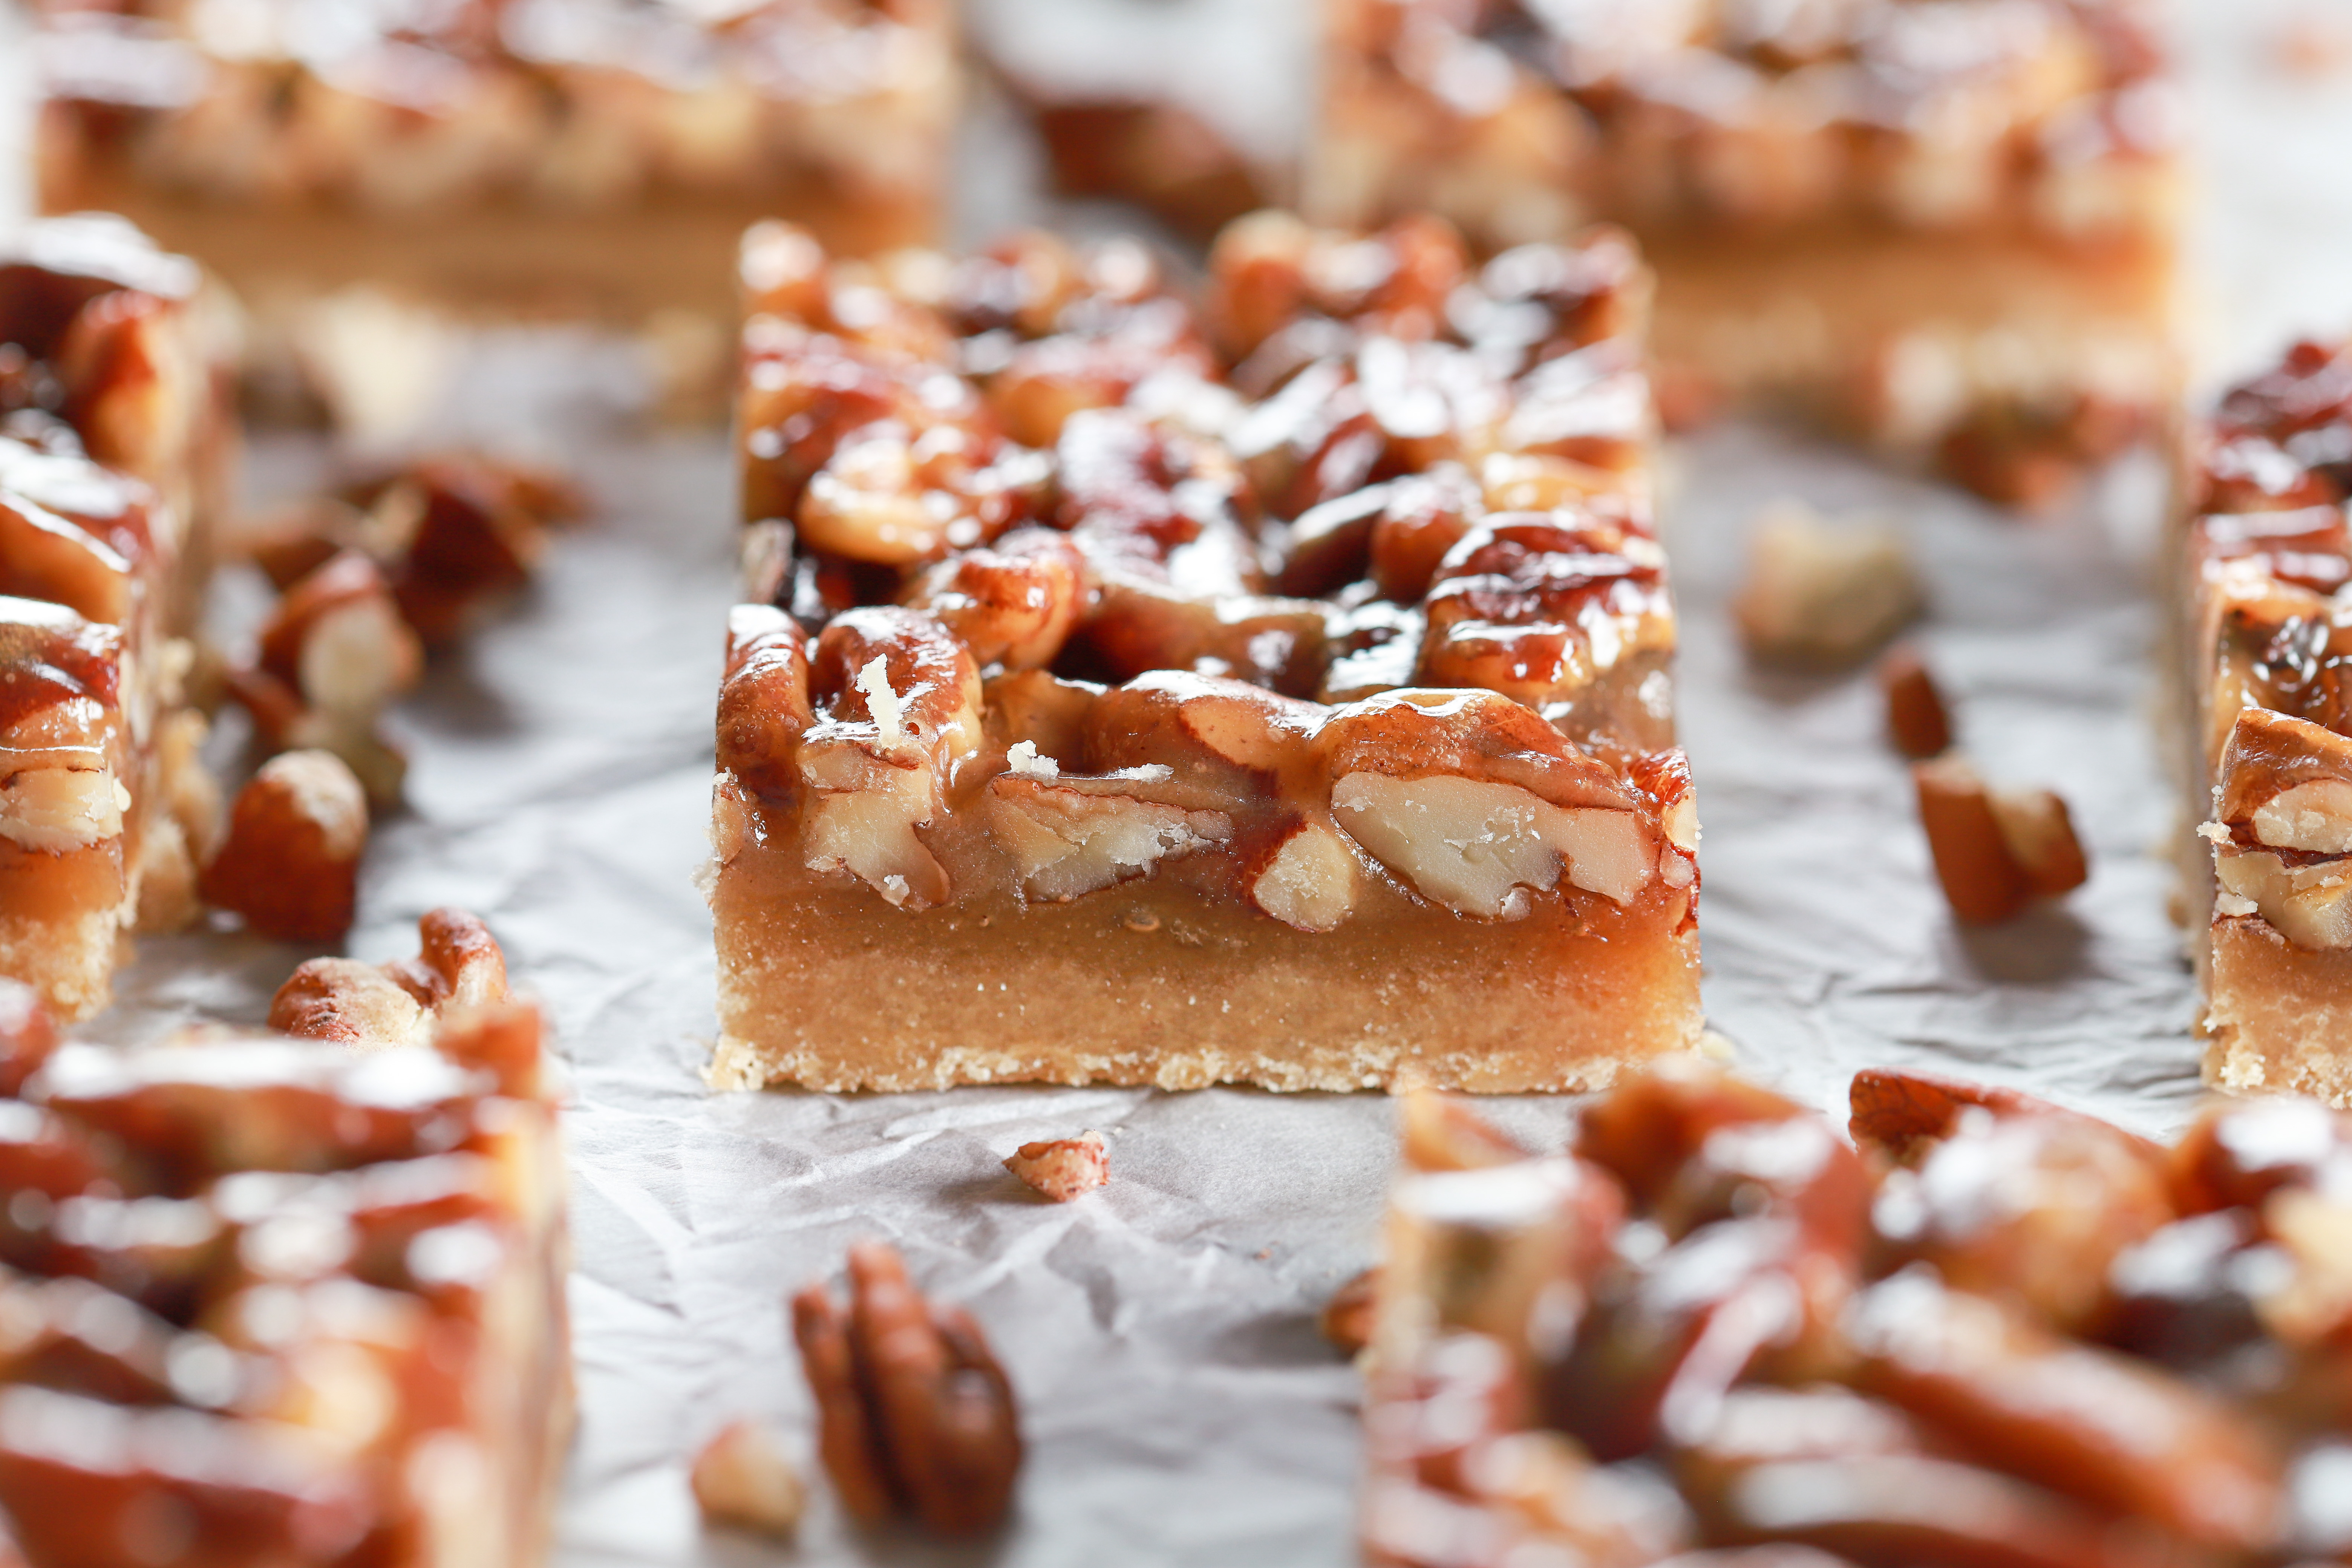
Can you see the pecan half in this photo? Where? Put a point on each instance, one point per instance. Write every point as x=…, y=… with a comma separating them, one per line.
x=914, y=1416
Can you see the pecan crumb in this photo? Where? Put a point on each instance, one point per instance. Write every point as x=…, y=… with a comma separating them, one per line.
x=1915, y=715
x=742, y=1478
x=1063, y=1168
x=914, y=1415
x=1347, y=1320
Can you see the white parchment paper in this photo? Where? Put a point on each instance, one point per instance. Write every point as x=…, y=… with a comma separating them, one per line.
x=1180, y=1408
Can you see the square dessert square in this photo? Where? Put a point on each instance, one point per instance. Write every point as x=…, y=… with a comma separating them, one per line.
x=2263, y=635
x=1711, y=1333
x=544, y=156
x=1948, y=229
x=274, y=1300
x=116, y=444
x=1272, y=691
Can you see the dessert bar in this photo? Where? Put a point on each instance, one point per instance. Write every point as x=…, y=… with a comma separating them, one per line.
x=271, y=1300
x=1946, y=228
x=538, y=156
x=115, y=447
x=1991, y=1332
x=2263, y=636
x=1273, y=691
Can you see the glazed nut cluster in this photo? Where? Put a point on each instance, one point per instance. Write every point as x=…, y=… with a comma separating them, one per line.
x=1034, y=541
x=1923, y=116
x=556, y=103
x=245, y=1292
x=2269, y=544
x=1992, y=1330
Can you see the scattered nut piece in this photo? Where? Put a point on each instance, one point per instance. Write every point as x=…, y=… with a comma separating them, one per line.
x=1063, y=1168
x=914, y=1415
x=290, y=863
x=458, y=965
x=1823, y=594
x=1995, y=851
x=1347, y=1320
x=2040, y=833
x=1915, y=716
x=2311, y=44
x=334, y=653
x=742, y=1478
x=1159, y=156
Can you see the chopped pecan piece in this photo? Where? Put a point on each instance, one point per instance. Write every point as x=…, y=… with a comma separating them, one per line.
x=914, y=1413
x=458, y=965
x=1347, y=1318
x=1818, y=595
x=1063, y=1168
x=290, y=863
x=1995, y=851
x=1915, y=716
x=742, y=1478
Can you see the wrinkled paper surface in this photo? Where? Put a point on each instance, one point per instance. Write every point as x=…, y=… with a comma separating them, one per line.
x=1180, y=1406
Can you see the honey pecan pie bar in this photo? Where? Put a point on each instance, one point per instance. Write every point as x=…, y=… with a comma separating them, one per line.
x=1273, y=691
x=266, y=1300
x=581, y=157
x=1712, y=1334
x=2264, y=636
x=1948, y=228
x=115, y=444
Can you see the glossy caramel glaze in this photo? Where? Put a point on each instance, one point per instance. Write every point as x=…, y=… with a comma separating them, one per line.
x=1327, y=615
x=266, y=1288
x=1990, y=1330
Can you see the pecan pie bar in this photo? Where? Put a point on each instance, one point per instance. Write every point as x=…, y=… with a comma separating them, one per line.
x=2264, y=635
x=580, y=156
x=266, y=1300
x=115, y=442
x=1947, y=227
x=1715, y=1335
x=1274, y=693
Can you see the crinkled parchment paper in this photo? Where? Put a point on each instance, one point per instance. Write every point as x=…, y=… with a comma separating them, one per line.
x=1179, y=1404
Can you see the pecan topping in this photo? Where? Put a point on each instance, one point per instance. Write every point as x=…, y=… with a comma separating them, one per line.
x=914, y=1413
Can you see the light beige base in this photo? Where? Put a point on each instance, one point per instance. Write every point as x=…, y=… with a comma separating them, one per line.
x=69, y=960
x=824, y=984
x=2280, y=1016
x=1896, y=336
